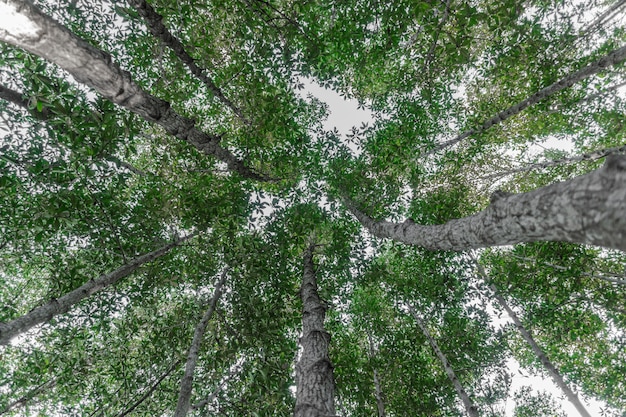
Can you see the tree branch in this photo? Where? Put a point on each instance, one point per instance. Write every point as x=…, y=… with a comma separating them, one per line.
x=543, y=358
x=192, y=358
x=470, y=408
x=54, y=307
x=150, y=390
x=45, y=37
x=587, y=209
x=154, y=21
x=608, y=60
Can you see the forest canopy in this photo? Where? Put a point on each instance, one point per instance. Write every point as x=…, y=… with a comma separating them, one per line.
x=181, y=234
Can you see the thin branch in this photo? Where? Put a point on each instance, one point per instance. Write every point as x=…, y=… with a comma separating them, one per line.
x=54, y=307
x=18, y=99
x=603, y=276
x=543, y=358
x=216, y=391
x=150, y=390
x=29, y=396
x=192, y=358
x=589, y=156
x=154, y=21
x=470, y=408
x=608, y=60
x=431, y=51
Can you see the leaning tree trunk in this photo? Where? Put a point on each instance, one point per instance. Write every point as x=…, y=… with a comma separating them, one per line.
x=470, y=408
x=41, y=35
x=314, y=372
x=56, y=306
x=588, y=209
x=543, y=358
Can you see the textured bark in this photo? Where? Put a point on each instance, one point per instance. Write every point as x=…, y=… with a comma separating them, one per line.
x=93, y=67
x=158, y=29
x=470, y=408
x=314, y=372
x=63, y=304
x=589, y=209
x=608, y=60
x=194, y=350
x=543, y=358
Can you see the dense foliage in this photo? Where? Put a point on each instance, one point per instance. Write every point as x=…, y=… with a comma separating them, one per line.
x=86, y=186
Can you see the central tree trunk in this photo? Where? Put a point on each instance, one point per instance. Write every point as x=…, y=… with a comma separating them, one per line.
x=314, y=372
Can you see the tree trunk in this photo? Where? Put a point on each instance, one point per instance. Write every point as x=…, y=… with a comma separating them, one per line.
x=194, y=351
x=380, y=403
x=470, y=408
x=41, y=35
x=314, y=372
x=587, y=209
x=612, y=58
x=543, y=358
x=63, y=304
x=154, y=21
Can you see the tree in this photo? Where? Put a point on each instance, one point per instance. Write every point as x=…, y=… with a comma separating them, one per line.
x=180, y=235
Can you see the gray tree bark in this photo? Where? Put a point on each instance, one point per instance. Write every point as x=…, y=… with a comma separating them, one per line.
x=470, y=408
x=589, y=209
x=158, y=29
x=543, y=358
x=612, y=58
x=63, y=304
x=184, y=395
x=315, y=390
x=43, y=36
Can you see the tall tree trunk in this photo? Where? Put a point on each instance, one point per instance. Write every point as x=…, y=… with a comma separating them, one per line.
x=41, y=35
x=158, y=29
x=63, y=304
x=380, y=403
x=587, y=209
x=470, y=408
x=610, y=59
x=314, y=372
x=543, y=358
x=194, y=351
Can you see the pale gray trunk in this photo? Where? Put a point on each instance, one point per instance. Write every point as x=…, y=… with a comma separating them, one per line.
x=380, y=403
x=45, y=37
x=543, y=358
x=470, y=408
x=588, y=209
x=612, y=58
x=315, y=389
x=63, y=304
x=184, y=395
